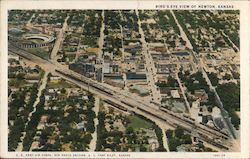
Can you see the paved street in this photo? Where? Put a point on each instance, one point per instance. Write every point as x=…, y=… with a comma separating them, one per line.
x=101, y=39
x=59, y=39
x=183, y=93
x=40, y=89
x=92, y=144
x=151, y=70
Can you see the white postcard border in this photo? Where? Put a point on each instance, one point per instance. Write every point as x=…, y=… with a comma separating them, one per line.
x=243, y=6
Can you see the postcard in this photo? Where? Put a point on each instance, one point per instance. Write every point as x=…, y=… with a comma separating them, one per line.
x=124, y=79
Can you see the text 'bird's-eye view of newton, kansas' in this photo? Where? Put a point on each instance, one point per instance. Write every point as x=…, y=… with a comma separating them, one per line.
x=123, y=80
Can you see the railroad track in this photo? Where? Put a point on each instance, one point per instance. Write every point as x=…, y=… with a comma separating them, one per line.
x=208, y=134
x=162, y=114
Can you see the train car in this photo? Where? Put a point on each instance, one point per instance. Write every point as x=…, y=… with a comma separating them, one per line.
x=213, y=131
x=148, y=112
x=115, y=105
x=130, y=105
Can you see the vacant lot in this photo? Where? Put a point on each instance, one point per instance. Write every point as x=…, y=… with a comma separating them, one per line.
x=138, y=123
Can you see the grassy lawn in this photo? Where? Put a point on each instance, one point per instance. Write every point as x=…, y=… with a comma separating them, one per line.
x=59, y=84
x=39, y=52
x=137, y=123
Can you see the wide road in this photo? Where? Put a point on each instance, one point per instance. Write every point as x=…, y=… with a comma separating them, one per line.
x=92, y=145
x=59, y=40
x=204, y=133
x=150, y=67
x=101, y=39
x=183, y=93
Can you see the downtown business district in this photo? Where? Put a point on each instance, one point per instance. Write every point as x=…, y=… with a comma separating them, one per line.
x=123, y=80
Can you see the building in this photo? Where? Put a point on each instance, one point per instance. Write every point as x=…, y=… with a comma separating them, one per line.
x=29, y=40
x=107, y=68
x=201, y=94
x=99, y=75
x=175, y=94
x=133, y=76
x=55, y=78
x=15, y=57
x=86, y=69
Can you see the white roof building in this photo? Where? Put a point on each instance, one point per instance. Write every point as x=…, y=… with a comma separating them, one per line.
x=11, y=56
x=175, y=94
x=107, y=68
x=216, y=113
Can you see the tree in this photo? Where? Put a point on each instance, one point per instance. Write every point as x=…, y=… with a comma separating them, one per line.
x=169, y=133
x=143, y=148
x=129, y=130
x=173, y=144
x=179, y=132
x=213, y=78
x=172, y=82
x=63, y=90
x=117, y=139
x=187, y=139
x=87, y=138
x=227, y=76
x=210, y=109
x=236, y=75
x=90, y=126
x=211, y=99
x=159, y=135
x=229, y=94
x=235, y=120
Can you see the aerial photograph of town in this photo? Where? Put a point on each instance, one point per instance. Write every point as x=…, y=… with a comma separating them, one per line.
x=124, y=80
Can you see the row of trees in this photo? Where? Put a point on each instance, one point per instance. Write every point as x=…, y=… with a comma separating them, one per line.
x=20, y=117
x=158, y=132
x=213, y=78
x=100, y=131
x=32, y=124
x=90, y=114
x=182, y=19
x=13, y=114
x=230, y=96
